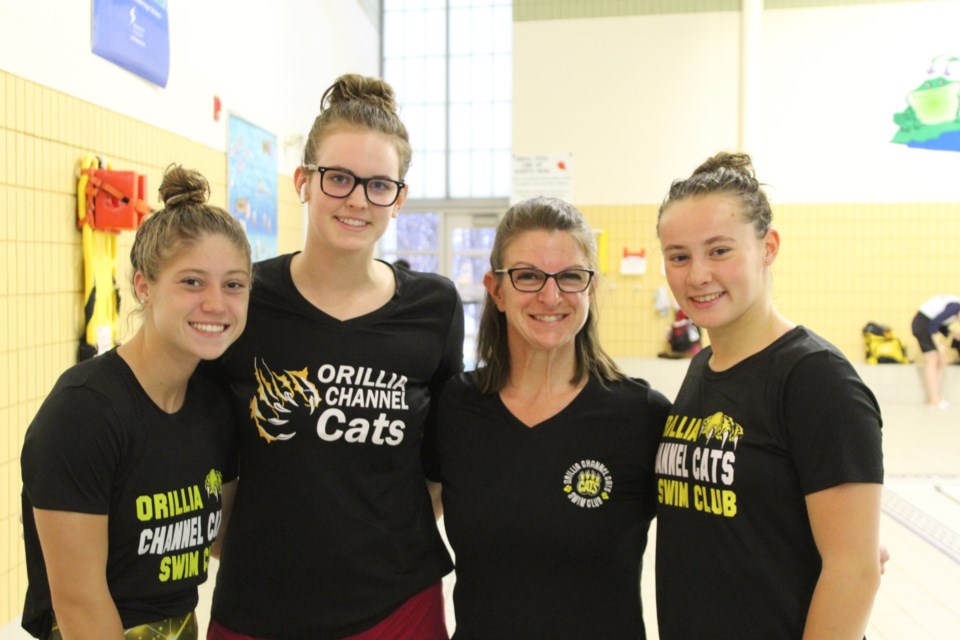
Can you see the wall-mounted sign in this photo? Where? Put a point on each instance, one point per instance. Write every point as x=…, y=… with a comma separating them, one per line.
x=135, y=35
x=252, y=183
x=542, y=175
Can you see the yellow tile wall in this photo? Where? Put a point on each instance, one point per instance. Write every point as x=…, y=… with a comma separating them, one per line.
x=43, y=136
x=840, y=266
x=629, y=324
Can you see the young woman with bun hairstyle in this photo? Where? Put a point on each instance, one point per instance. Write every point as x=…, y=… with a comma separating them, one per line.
x=333, y=534
x=126, y=463
x=770, y=467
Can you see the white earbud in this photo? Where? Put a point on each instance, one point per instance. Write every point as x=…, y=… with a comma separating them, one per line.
x=303, y=193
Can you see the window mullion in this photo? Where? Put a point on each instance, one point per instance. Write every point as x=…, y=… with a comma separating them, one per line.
x=446, y=108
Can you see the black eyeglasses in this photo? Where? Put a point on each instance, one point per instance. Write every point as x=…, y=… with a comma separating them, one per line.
x=338, y=183
x=530, y=280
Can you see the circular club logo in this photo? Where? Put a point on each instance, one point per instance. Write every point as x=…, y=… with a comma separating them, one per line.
x=588, y=484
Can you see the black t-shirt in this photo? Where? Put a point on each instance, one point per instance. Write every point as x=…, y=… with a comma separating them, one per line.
x=548, y=524
x=742, y=448
x=100, y=445
x=333, y=528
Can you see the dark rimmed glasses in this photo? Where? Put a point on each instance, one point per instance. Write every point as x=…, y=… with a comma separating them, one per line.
x=530, y=280
x=338, y=183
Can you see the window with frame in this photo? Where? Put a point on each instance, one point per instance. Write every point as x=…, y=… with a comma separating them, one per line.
x=450, y=63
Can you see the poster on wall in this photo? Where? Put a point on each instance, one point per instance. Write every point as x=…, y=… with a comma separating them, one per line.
x=932, y=117
x=548, y=175
x=135, y=35
x=252, y=183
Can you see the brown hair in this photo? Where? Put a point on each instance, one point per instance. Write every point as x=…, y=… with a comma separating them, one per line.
x=493, y=352
x=726, y=174
x=355, y=101
x=185, y=218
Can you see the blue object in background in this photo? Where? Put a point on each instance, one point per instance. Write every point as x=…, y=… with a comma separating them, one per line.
x=949, y=141
x=135, y=35
x=252, y=183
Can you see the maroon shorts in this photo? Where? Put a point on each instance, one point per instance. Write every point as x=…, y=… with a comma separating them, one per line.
x=419, y=618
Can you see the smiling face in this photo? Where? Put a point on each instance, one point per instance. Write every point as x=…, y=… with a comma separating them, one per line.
x=549, y=319
x=351, y=223
x=717, y=267
x=197, y=306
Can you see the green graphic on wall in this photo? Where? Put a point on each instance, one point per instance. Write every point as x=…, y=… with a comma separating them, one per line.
x=932, y=117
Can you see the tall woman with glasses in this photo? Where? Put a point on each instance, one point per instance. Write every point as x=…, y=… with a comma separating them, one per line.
x=545, y=452
x=333, y=534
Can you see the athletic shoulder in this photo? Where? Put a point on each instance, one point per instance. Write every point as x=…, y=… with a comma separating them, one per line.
x=809, y=357
x=425, y=282
x=458, y=387
x=639, y=393
x=270, y=272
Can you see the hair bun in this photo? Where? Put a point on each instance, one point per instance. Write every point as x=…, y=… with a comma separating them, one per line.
x=181, y=187
x=736, y=162
x=352, y=87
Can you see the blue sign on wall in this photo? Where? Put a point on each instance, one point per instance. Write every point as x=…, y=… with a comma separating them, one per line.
x=135, y=35
x=252, y=183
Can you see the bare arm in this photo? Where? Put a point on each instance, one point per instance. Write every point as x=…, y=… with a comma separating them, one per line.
x=846, y=528
x=228, y=493
x=75, y=553
x=435, y=489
